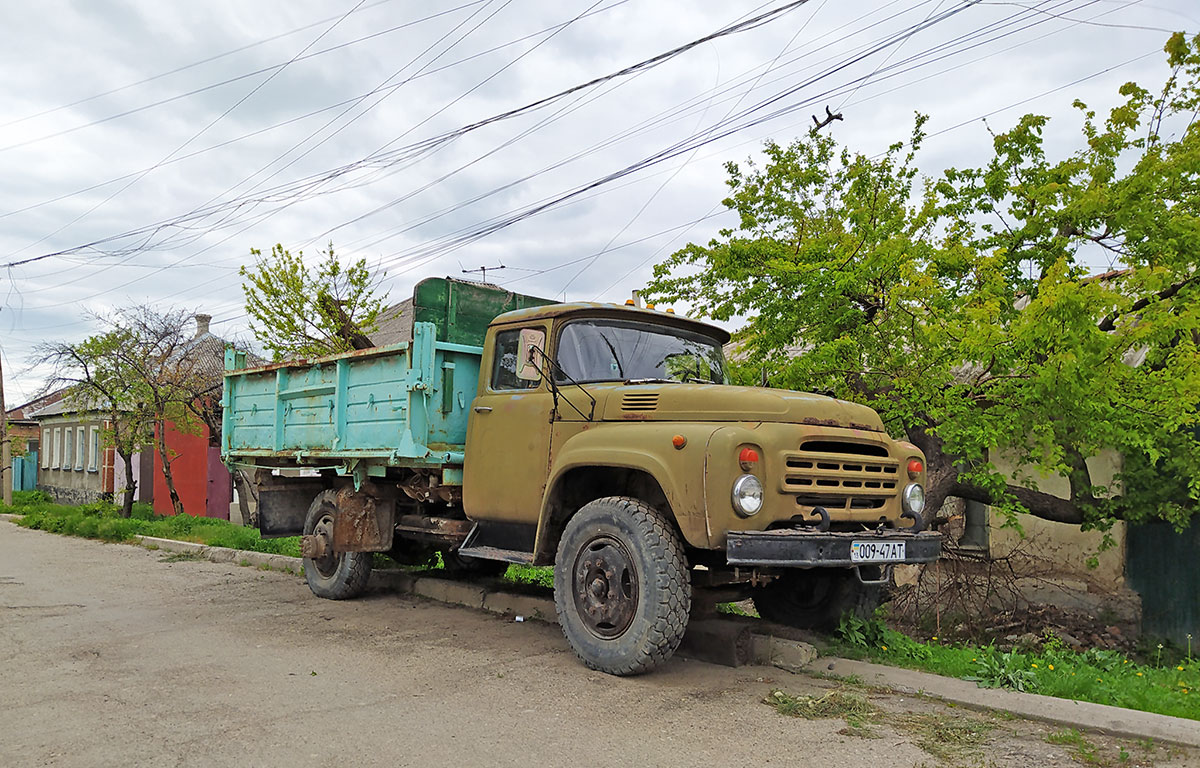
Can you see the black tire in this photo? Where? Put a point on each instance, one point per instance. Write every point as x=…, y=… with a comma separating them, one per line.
x=337, y=576
x=816, y=599
x=458, y=565
x=634, y=593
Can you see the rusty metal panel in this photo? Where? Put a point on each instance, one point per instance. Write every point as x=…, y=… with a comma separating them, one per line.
x=363, y=523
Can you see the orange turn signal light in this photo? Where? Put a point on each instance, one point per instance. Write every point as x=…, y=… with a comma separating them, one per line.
x=679, y=441
x=915, y=467
x=747, y=458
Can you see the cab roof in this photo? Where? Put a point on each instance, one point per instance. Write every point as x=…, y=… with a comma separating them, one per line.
x=597, y=309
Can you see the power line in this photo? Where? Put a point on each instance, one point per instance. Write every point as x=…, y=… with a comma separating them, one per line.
x=202, y=131
x=211, y=86
x=306, y=184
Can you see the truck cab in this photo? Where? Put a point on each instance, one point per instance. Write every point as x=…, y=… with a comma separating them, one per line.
x=583, y=402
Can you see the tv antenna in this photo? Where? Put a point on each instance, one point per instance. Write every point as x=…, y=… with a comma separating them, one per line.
x=482, y=270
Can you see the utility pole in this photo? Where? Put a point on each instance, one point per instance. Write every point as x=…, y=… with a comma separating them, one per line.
x=484, y=270
x=5, y=448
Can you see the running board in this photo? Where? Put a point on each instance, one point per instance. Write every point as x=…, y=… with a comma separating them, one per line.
x=472, y=548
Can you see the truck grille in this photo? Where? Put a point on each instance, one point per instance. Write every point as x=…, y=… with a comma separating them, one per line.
x=841, y=475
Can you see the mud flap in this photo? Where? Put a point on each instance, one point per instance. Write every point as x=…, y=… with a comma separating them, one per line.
x=364, y=523
x=283, y=505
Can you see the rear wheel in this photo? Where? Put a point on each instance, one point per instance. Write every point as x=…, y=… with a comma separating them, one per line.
x=816, y=599
x=335, y=575
x=621, y=586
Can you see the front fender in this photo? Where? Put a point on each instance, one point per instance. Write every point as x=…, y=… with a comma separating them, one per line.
x=646, y=447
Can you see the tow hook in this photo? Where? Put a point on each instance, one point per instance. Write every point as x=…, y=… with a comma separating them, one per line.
x=918, y=521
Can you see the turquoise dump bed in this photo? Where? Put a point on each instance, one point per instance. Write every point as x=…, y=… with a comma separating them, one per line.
x=403, y=405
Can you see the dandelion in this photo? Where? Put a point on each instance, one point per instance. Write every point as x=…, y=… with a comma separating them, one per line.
x=1125, y=662
x=973, y=659
x=1098, y=680
x=1180, y=667
x=934, y=637
x=1139, y=674
x=1051, y=667
x=1033, y=665
x=1185, y=690
x=884, y=647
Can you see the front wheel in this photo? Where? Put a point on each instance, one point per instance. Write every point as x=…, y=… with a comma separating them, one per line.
x=621, y=586
x=816, y=598
x=335, y=575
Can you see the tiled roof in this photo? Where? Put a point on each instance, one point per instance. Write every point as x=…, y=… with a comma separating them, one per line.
x=395, y=325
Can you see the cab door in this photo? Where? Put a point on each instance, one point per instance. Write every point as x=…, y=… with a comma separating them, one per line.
x=508, y=431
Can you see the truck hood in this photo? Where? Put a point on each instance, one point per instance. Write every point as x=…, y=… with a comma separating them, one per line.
x=715, y=402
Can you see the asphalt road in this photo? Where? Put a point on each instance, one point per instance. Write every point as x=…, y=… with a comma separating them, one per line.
x=116, y=655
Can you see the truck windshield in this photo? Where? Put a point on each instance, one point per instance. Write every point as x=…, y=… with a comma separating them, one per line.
x=621, y=350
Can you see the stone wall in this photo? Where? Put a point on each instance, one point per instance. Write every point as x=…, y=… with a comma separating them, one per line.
x=74, y=496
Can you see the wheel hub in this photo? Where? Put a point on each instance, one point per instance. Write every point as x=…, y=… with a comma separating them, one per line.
x=326, y=564
x=605, y=587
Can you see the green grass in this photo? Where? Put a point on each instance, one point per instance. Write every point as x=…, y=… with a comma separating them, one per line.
x=1052, y=669
x=102, y=521
x=540, y=575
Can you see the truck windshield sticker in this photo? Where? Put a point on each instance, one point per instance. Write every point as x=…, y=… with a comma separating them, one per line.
x=620, y=350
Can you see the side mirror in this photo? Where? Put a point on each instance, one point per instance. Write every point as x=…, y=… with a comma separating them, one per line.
x=530, y=345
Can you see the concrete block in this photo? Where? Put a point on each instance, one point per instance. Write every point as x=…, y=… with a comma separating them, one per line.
x=791, y=655
x=514, y=604
x=718, y=641
x=11, y=518
x=450, y=591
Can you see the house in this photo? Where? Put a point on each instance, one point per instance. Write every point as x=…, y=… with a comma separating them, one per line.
x=74, y=466
x=26, y=439
x=203, y=482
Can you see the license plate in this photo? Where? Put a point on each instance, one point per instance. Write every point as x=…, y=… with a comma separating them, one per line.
x=876, y=551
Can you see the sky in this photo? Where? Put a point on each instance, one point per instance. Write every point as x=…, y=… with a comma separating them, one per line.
x=146, y=147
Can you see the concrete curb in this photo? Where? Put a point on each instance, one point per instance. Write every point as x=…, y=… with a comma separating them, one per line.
x=10, y=518
x=733, y=643
x=1115, y=721
x=224, y=554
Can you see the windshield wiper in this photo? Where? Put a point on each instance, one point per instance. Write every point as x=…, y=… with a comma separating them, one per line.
x=554, y=390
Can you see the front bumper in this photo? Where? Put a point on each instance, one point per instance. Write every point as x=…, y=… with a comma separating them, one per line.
x=815, y=549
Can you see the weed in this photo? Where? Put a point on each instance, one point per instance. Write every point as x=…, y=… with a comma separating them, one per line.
x=735, y=610
x=180, y=557
x=947, y=737
x=836, y=703
x=1082, y=750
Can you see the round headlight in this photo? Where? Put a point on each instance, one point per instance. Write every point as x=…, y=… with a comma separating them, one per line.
x=747, y=495
x=914, y=498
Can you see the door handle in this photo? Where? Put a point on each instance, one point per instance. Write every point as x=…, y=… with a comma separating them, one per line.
x=483, y=409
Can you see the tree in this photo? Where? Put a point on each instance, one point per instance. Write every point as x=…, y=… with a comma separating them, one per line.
x=143, y=370
x=99, y=380
x=297, y=311
x=960, y=307
x=168, y=377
